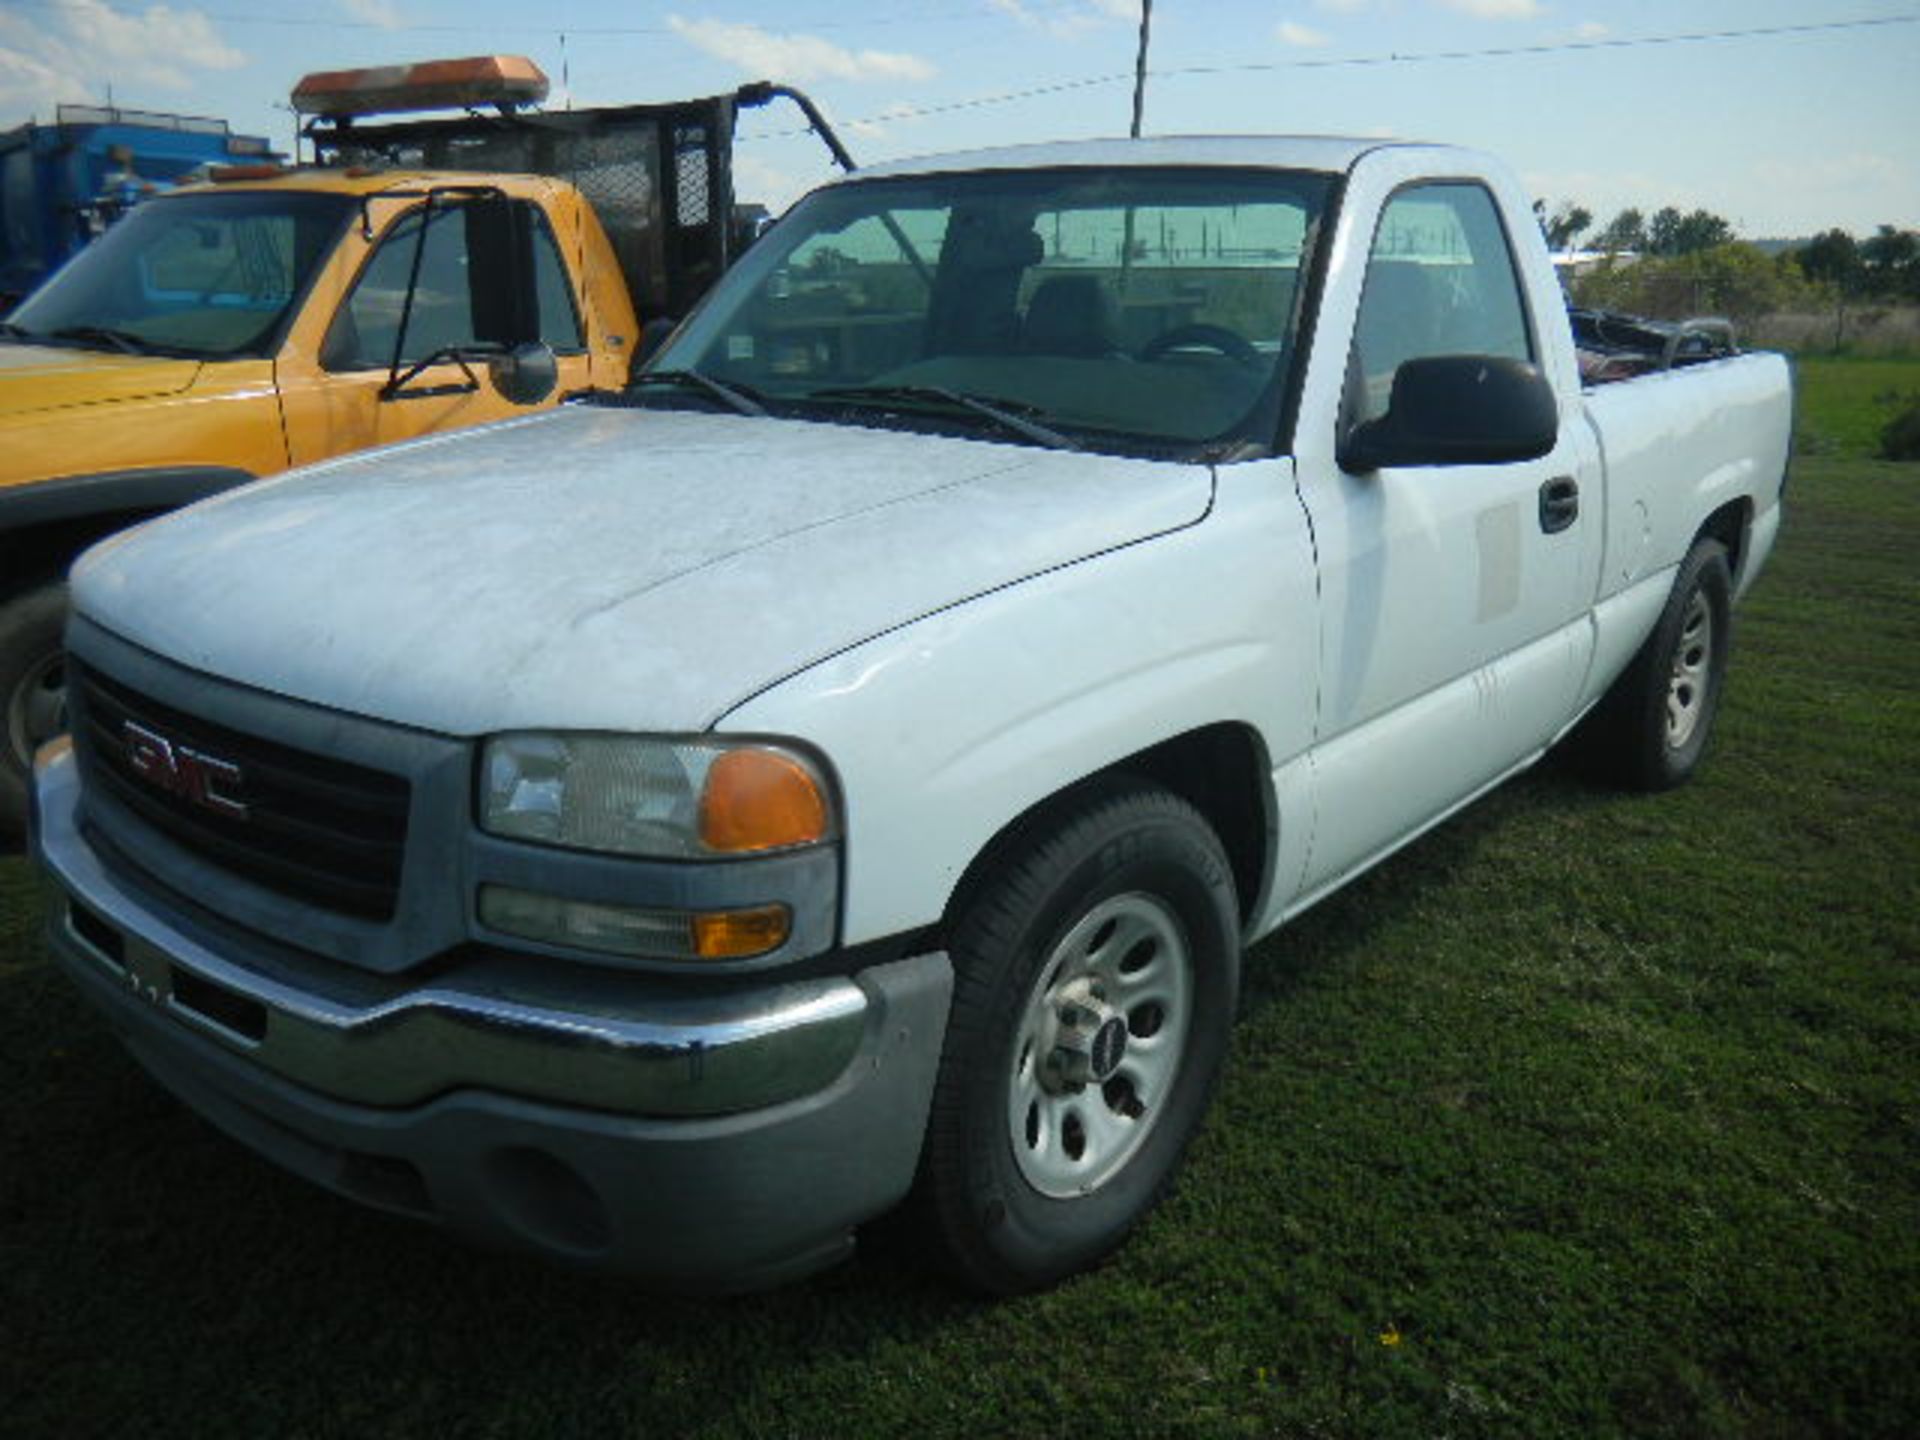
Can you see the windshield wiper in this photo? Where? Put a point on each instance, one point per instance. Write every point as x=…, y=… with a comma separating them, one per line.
x=121, y=340
x=398, y=380
x=1007, y=414
x=737, y=398
x=16, y=332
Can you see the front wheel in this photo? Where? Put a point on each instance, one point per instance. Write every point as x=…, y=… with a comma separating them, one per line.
x=33, y=696
x=1651, y=730
x=1096, y=974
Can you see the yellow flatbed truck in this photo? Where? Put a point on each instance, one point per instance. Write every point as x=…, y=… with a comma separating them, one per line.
x=425, y=275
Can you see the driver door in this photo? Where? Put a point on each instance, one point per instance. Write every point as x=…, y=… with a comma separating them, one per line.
x=335, y=398
x=1454, y=597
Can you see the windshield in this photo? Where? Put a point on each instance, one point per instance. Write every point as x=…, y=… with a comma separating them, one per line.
x=208, y=275
x=1131, y=310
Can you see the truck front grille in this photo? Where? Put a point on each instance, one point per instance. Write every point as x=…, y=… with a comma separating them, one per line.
x=317, y=829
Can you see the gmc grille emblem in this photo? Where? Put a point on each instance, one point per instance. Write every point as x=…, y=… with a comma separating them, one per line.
x=196, y=777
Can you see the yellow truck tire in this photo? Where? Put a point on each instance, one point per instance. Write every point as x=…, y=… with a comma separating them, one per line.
x=33, y=691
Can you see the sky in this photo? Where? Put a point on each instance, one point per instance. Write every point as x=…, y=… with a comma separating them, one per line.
x=1607, y=103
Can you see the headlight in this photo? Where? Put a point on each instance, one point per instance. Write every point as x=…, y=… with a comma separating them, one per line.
x=668, y=799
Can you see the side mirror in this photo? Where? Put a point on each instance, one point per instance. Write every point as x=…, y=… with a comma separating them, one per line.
x=1458, y=410
x=525, y=374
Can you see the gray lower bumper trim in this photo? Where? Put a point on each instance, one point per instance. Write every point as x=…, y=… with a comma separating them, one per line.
x=725, y=1203
x=562, y=1036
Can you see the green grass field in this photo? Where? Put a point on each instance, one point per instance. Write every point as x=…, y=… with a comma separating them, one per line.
x=1845, y=402
x=1588, y=1115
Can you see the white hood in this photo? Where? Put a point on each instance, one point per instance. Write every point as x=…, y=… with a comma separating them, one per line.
x=600, y=568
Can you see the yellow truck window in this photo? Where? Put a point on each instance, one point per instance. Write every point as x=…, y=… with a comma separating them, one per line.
x=553, y=291
x=453, y=298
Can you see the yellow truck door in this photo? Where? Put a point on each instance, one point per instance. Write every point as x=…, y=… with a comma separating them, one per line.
x=333, y=369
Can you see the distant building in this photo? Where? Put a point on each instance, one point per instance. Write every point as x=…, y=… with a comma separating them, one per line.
x=1572, y=264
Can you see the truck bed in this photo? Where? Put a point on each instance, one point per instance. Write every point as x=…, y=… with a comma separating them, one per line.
x=1680, y=443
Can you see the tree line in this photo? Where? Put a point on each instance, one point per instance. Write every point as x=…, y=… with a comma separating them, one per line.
x=1884, y=267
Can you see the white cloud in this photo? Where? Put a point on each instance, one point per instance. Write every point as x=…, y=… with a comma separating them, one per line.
x=1342, y=7
x=183, y=36
x=1497, y=9
x=763, y=54
x=374, y=12
x=1072, y=22
x=1591, y=30
x=1075, y=17
x=73, y=51
x=29, y=85
x=1304, y=36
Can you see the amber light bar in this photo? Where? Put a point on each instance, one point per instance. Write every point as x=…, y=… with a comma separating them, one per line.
x=503, y=80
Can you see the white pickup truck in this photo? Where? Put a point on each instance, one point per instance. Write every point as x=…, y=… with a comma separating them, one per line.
x=662, y=833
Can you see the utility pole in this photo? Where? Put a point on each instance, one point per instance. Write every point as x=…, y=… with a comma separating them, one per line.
x=1140, y=66
x=1139, y=104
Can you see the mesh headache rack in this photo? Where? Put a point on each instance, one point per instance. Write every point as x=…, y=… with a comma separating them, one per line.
x=660, y=176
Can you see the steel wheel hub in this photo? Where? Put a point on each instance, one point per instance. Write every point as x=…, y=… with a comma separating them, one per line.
x=1089, y=1039
x=1099, y=1044
x=1692, y=659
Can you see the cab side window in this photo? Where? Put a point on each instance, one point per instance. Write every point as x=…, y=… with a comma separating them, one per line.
x=1440, y=281
x=463, y=294
x=559, y=321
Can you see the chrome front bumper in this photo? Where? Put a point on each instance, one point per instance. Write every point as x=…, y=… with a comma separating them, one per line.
x=622, y=1043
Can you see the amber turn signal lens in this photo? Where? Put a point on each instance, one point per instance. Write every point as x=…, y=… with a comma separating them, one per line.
x=760, y=800
x=737, y=934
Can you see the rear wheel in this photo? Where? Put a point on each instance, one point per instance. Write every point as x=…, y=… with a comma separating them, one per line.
x=1651, y=730
x=1096, y=972
x=33, y=694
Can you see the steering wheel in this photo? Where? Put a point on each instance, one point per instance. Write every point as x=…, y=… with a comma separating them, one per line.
x=1208, y=337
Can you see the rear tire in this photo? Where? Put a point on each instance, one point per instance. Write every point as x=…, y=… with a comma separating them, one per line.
x=1096, y=971
x=1652, y=728
x=33, y=704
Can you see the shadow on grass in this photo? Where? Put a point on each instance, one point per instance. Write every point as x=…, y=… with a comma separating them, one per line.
x=1348, y=921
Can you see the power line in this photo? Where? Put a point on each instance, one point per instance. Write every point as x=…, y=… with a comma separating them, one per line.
x=969, y=12
x=989, y=10
x=1558, y=47
x=1087, y=82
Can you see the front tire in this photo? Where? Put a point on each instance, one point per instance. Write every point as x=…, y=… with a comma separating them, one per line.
x=1096, y=971
x=33, y=706
x=1651, y=730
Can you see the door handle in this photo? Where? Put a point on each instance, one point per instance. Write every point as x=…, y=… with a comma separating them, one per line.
x=1559, y=504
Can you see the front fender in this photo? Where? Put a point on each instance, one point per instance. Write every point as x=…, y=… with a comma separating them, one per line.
x=947, y=729
x=124, y=453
